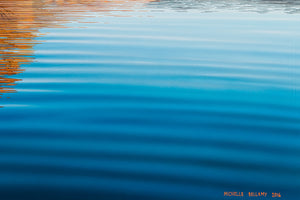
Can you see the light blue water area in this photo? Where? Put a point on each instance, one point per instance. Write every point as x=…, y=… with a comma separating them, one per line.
x=160, y=104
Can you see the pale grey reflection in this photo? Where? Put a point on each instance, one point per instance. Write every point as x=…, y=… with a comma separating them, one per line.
x=260, y=6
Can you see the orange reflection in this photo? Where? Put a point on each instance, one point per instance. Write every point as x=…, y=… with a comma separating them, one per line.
x=21, y=20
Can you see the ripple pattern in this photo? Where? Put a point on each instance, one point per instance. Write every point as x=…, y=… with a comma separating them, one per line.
x=155, y=105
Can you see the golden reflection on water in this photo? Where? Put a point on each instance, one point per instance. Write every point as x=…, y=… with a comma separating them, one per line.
x=20, y=22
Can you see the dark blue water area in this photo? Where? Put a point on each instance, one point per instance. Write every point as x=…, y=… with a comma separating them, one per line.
x=158, y=105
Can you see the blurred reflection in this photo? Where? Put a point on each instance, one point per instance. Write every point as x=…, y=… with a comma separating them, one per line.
x=15, y=42
x=20, y=22
x=261, y=6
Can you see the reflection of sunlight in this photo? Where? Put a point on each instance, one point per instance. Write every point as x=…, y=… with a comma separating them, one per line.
x=20, y=22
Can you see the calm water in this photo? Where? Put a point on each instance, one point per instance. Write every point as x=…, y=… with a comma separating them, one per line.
x=149, y=99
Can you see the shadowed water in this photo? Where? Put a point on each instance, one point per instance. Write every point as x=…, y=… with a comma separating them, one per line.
x=149, y=99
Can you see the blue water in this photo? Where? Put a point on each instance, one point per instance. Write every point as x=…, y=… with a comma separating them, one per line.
x=163, y=100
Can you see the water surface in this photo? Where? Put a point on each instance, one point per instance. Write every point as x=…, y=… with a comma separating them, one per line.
x=149, y=99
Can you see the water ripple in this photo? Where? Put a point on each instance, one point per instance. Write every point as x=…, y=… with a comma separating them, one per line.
x=149, y=99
